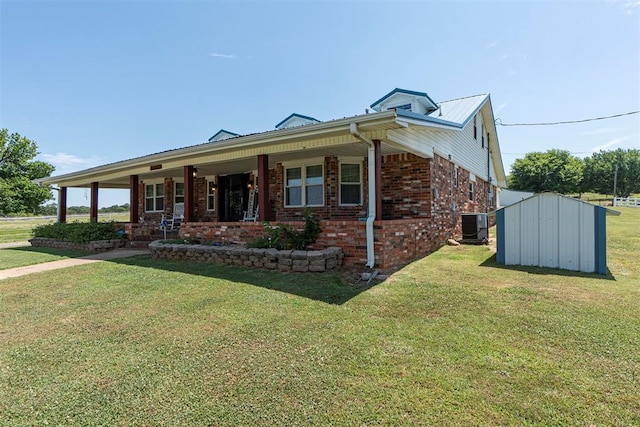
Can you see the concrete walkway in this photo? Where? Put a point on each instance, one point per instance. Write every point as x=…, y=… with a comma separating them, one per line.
x=69, y=262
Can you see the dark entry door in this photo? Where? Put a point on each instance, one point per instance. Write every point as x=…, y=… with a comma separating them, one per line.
x=233, y=196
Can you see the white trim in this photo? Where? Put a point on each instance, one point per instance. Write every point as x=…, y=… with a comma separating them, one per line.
x=303, y=183
x=313, y=161
x=175, y=192
x=211, y=180
x=155, y=195
x=360, y=183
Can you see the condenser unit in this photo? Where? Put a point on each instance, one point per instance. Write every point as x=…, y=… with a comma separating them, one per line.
x=475, y=227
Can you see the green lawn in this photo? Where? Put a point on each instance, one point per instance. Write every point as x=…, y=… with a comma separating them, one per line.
x=20, y=230
x=27, y=255
x=452, y=339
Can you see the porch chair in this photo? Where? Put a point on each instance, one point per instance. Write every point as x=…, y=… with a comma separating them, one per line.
x=251, y=214
x=174, y=220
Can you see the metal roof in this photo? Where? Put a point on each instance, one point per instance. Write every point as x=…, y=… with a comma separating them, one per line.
x=314, y=139
x=299, y=116
x=460, y=110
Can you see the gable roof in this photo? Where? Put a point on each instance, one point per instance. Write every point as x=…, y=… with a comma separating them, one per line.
x=296, y=119
x=421, y=97
x=227, y=152
x=221, y=135
x=550, y=194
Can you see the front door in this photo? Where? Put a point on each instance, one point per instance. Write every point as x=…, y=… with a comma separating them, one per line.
x=234, y=195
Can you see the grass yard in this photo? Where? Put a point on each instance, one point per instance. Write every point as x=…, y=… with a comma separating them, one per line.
x=27, y=255
x=452, y=339
x=20, y=230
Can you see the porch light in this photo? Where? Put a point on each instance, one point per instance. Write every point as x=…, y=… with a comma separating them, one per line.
x=195, y=172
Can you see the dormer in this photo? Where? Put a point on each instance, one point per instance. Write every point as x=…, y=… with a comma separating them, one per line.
x=296, y=119
x=221, y=135
x=402, y=99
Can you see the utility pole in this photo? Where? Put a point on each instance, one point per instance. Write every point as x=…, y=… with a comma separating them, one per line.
x=615, y=181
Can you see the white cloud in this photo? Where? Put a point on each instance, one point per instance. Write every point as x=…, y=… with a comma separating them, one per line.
x=491, y=45
x=610, y=143
x=222, y=55
x=66, y=163
x=501, y=106
x=629, y=6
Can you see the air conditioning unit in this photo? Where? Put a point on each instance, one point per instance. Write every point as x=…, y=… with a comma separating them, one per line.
x=475, y=227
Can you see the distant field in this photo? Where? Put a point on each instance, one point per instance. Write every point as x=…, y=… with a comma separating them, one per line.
x=20, y=230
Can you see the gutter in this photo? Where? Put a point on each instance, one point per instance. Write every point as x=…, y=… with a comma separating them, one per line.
x=371, y=217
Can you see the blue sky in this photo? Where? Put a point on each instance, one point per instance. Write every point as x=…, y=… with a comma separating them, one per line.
x=96, y=82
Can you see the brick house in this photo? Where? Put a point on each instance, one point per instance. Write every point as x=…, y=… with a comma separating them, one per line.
x=389, y=186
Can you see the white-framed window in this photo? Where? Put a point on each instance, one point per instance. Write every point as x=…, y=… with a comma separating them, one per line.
x=350, y=184
x=178, y=192
x=304, y=186
x=471, y=190
x=475, y=128
x=211, y=195
x=154, y=197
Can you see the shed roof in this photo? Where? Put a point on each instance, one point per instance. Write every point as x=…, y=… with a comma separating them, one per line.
x=552, y=194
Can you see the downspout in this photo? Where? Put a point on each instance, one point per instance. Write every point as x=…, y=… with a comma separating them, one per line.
x=489, y=192
x=371, y=216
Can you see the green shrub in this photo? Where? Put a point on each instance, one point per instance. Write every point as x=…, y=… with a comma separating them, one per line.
x=284, y=236
x=78, y=231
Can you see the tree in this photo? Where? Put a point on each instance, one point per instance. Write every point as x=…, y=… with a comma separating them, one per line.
x=554, y=170
x=18, y=191
x=599, y=172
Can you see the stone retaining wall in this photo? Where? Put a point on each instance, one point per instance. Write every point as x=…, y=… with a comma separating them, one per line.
x=269, y=259
x=93, y=246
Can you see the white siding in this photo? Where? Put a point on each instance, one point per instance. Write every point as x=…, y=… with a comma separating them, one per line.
x=549, y=230
x=465, y=151
x=512, y=234
x=548, y=211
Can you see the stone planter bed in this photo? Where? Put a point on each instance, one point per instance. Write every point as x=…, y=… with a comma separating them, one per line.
x=270, y=259
x=93, y=246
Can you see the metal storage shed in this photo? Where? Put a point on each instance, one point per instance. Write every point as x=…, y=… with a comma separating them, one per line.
x=551, y=230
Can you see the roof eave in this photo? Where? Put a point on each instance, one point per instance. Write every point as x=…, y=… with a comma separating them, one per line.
x=282, y=135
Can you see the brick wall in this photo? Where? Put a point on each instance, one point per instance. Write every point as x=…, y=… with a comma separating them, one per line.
x=422, y=203
x=331, y=209
x=406, y=184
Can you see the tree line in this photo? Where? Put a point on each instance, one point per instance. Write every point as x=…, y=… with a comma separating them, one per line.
x=52, y=209
x=607, y=172
x=615, y=172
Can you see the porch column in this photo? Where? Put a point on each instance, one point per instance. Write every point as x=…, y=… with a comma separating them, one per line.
x=378, y=175
x=93, y=210
x=263, y=187
x=134, y=190
x=188, y=194
x=62, y=204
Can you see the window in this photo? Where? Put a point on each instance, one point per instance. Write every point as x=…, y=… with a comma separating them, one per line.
x=475, y=128
x=483, y=140
x=154, y=197
x=211, y=196
x=350, y=184
x=304, y=186
x=178, y=194
x=403, y=107
x=471, y=189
